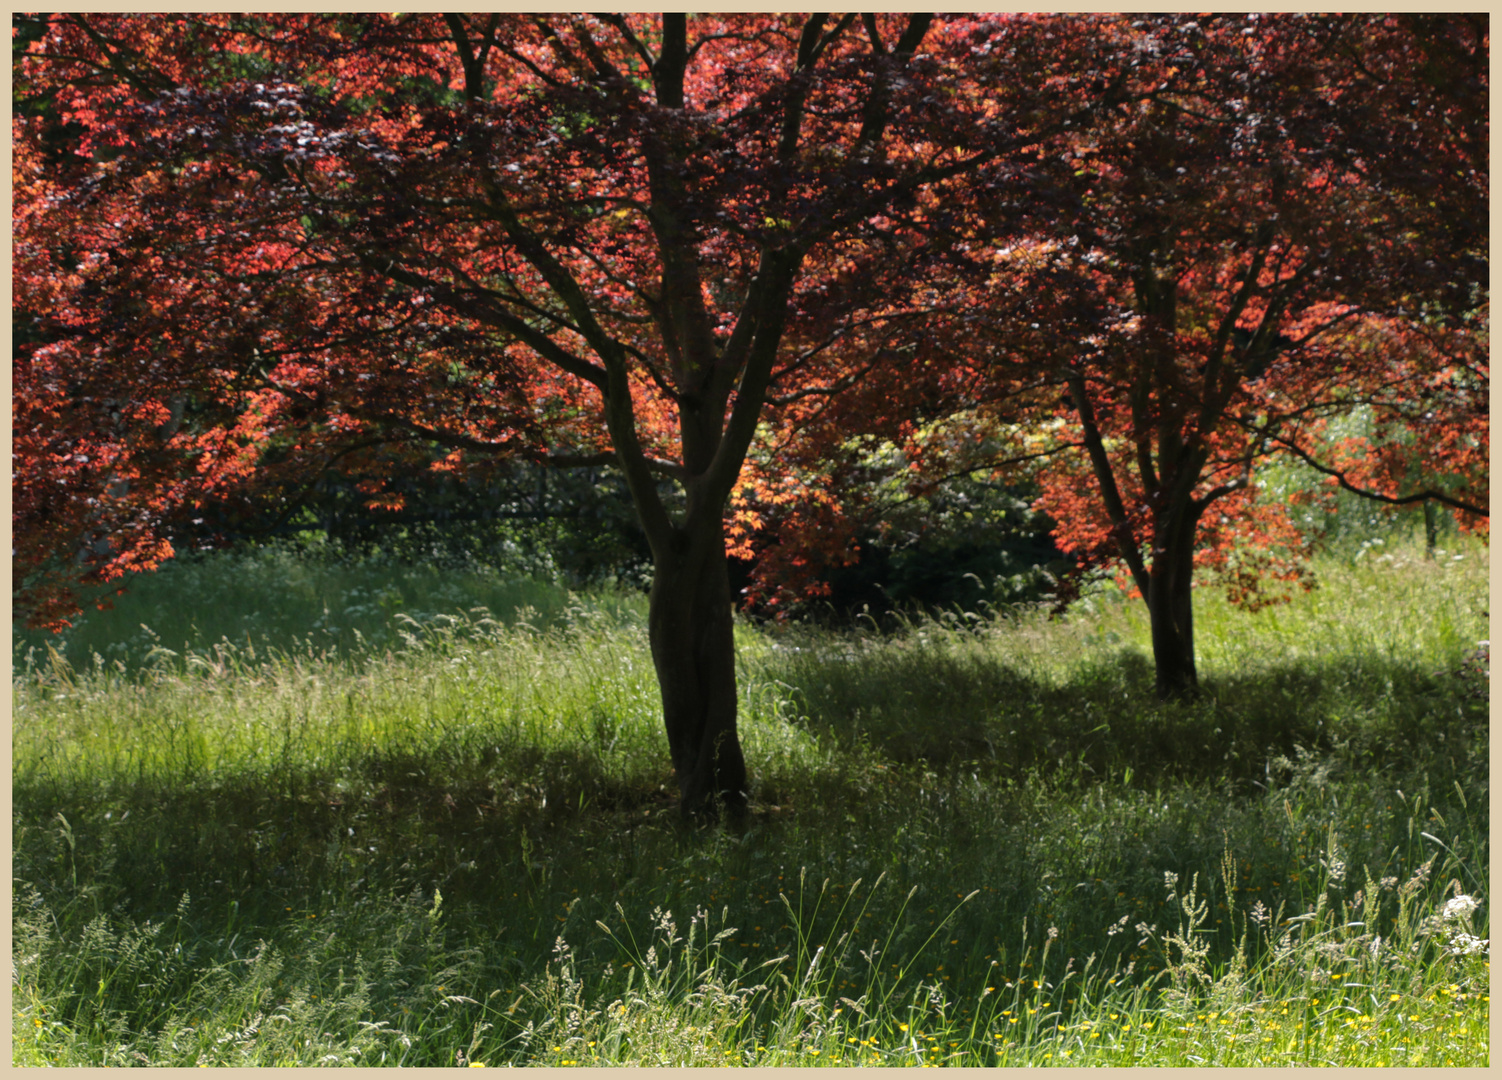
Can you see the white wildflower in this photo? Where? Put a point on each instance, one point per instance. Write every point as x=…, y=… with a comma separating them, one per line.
x=1459, y=907
x=1468, y=945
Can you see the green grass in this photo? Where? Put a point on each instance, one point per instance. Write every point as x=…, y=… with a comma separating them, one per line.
x=454, y=838
x=273, y=598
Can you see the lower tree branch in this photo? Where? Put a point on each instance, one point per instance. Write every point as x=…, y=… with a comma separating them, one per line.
x=1377, y=496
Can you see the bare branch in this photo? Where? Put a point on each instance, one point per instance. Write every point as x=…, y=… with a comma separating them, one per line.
x=608, y=457
x=1392, y=500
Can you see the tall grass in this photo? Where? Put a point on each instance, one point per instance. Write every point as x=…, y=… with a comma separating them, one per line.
x=972, y=842
x=277, y=598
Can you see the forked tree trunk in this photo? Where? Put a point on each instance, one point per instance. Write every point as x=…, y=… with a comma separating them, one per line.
x=693, y=651
x=1166, y=582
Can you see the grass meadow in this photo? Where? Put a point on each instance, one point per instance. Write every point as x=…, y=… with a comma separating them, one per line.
x=267, y=813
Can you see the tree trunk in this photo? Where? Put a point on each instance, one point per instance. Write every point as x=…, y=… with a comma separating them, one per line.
x=693, y=651
x=1170, y=604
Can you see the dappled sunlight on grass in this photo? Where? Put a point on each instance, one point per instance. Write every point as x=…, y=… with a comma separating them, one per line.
x=969, y=844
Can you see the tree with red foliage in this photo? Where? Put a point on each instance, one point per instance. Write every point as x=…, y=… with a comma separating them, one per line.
x=286, y=240
x=1291, y=184
x=1275, y=221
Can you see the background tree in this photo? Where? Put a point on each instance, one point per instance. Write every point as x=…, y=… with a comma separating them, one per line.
x=1261, y=207
x=577, y=239
x=1272, y=222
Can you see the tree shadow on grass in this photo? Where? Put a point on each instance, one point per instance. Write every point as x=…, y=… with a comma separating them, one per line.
x=287, y=840
x=968, y=776
x=490, y=822
x=944, y=710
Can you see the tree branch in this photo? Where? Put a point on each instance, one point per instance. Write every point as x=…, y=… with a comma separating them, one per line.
x=487, y=312
x=1391, y=500
x=1106, y=478
x=608, y=457
x=118, y=65
x=619, y=22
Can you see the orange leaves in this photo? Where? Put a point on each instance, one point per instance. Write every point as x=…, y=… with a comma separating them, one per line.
x=513, y=234
x=793, y=525
x=452, y=462
x=388, y=503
